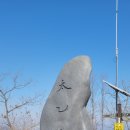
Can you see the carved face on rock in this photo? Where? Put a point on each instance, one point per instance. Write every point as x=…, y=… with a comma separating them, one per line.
x=68, y=98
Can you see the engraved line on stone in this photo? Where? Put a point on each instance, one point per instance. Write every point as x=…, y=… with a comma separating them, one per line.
x=59, y=110
x=62, y=85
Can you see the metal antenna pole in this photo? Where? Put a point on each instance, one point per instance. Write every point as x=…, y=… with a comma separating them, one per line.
x=116, y=52
x=117, y=97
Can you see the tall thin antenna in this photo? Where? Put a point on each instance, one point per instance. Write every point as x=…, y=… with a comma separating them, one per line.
x=116, y=53
x=116, y=43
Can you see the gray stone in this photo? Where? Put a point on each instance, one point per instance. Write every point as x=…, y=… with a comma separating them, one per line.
x=65, y=106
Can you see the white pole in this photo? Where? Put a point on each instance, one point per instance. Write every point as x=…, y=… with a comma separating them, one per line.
x=116, y=43
x=117, y=98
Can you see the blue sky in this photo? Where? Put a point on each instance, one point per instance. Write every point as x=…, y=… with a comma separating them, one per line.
x=37, y=37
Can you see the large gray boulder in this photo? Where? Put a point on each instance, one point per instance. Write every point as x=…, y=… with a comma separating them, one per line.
x=65, y=106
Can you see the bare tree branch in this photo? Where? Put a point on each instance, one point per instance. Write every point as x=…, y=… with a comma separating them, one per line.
x=18, y=106
x=5, y=97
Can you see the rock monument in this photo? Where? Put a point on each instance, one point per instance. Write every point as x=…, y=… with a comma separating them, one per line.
x=65, y=106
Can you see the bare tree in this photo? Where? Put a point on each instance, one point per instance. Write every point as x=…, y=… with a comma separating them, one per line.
x=10, y=108
x=92, y=107
x=126, y=107
x=102, y=107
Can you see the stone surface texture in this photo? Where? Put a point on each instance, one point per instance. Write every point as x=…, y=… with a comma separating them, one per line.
x=65, y=108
